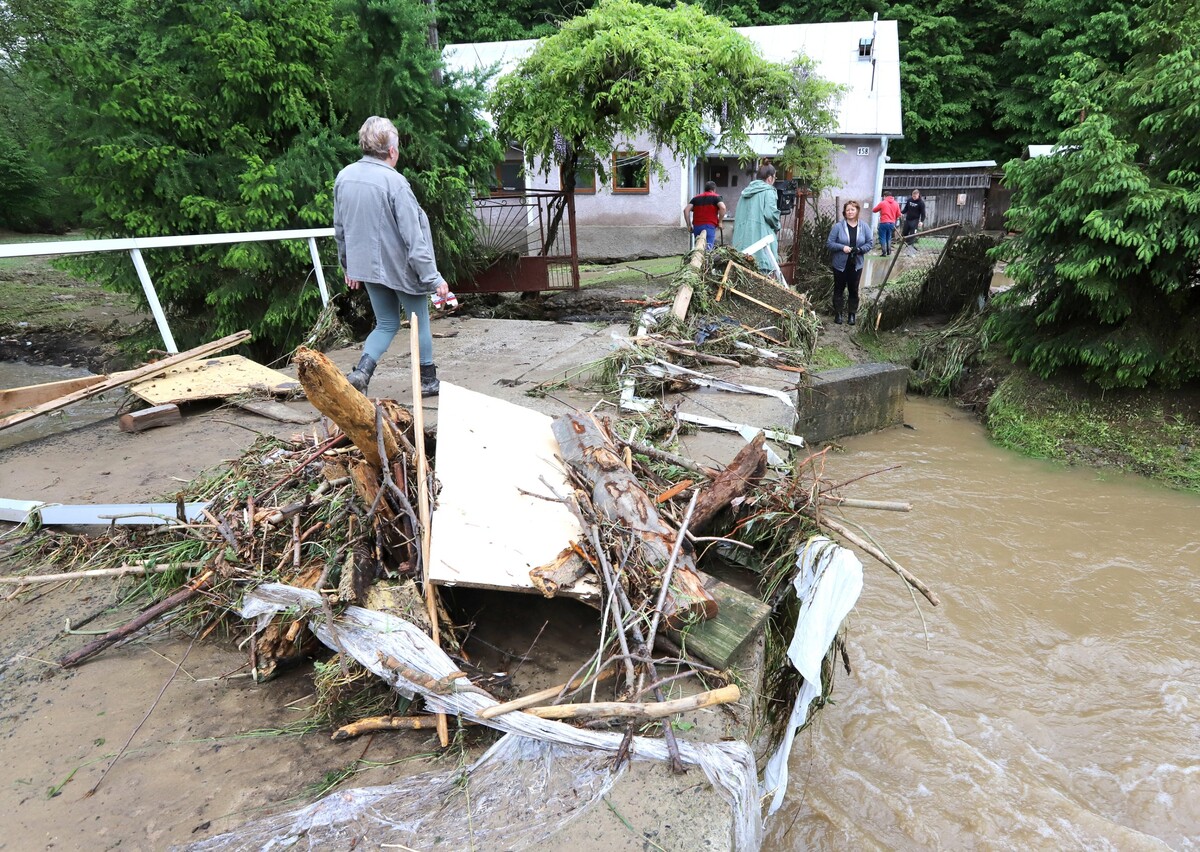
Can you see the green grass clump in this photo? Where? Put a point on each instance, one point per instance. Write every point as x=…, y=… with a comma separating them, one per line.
x=829, y=358
x=1064, y=422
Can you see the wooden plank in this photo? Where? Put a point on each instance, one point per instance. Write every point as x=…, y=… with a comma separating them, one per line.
x=488, y=531
x=128, y=377
x=213, y=378
x=14, y=399
x=150, y=418
x=718, y=641
x=273, y=410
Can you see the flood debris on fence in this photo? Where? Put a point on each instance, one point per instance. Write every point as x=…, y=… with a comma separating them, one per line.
x=353, y=538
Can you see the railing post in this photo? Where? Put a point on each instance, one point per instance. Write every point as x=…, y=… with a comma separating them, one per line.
x=316, y=259
x=152, y=298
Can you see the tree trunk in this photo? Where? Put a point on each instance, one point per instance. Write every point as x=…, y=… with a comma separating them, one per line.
x=619, y=497
x=744, y=472
x=328, y=390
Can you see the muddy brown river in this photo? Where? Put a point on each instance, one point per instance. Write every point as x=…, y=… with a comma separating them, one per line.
x=1051, y=702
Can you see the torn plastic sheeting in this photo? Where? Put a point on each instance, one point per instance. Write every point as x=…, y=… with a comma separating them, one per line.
x=99, y=514
x=661, y=369
x=514, y=797
x=366, y=635
x=828, y=581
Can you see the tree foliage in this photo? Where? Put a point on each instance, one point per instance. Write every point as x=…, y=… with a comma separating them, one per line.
x=1107, y=260
x=678, y=75
x=185, y=118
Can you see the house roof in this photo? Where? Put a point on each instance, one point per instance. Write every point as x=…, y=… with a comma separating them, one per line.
x=870, y=107
x=933, y=167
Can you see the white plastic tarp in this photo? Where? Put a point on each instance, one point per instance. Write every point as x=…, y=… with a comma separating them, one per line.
x=829, y=579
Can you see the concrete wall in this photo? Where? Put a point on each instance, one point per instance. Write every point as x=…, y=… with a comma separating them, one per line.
x=851, y=401
x=856, y=173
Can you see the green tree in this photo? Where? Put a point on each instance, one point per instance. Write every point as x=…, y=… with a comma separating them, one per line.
x=678, y=75
x=1042, y=48
x=186, y=117
x=1107, y=260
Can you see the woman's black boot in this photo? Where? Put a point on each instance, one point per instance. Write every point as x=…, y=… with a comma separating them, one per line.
x=429, y=380
x=360, y=376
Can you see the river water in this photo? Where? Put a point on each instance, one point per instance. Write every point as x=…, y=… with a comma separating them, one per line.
x=1051, y=702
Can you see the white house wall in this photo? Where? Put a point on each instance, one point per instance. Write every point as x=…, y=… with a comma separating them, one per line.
x=624, y=225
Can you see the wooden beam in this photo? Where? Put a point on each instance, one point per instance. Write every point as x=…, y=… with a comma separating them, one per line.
x=718, y=641
x=121, y=379
x=15, y=399
x=150, y=418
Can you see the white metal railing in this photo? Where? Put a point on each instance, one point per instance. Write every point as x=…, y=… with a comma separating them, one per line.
x=134, y=246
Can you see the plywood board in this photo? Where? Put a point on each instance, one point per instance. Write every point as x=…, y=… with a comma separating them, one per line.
x=487, y=530
x=213, y=378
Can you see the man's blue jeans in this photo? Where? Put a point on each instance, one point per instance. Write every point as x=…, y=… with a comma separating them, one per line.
x=709, y=230
x=886, y=229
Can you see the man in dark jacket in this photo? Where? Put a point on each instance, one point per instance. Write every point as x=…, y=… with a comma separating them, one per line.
x=914, y=218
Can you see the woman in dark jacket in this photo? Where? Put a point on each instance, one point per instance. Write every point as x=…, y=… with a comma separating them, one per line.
x=849, y=241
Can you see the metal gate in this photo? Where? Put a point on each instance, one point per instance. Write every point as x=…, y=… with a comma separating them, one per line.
x=527, y=243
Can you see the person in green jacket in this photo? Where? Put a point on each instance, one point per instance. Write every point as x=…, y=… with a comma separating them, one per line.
x=757, y=215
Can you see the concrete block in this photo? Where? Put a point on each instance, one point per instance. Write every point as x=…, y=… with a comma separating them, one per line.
x=851, y=401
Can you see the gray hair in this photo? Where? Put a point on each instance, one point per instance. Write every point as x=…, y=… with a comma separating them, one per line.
x=377, y=135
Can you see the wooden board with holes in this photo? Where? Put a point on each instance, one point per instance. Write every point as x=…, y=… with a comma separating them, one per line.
x=213, y=378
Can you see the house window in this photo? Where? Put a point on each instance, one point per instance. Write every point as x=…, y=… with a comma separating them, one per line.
x=510, y=178
x=631, y=171
x=585, y=177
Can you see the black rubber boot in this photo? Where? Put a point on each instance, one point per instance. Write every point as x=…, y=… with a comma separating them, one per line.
x=852, y=318
x=837, y=318
x=360, y=376
x=429, y=380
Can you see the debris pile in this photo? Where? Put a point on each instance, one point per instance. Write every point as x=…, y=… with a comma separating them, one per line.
x=337, y=538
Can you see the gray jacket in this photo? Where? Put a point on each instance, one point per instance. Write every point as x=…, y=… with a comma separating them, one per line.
x=382, y=233
x=839, y=238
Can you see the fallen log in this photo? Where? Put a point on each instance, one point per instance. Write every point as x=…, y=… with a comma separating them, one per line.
x=162, y=607
x=329, y=391
x=638, y=712
x=619, y=497
x=745, y=471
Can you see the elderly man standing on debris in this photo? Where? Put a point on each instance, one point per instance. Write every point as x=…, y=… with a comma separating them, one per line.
x=757, y=216
x=385, y=245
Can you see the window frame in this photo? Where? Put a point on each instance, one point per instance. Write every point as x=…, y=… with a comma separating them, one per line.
x=498, y=188
x=590, y=164
x=626, y=155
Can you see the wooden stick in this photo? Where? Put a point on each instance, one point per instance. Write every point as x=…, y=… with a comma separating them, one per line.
x=724, y=278
x=164, y=606
x=750, y=298
x=638, y=712
x=119, y=571
x=128, y=377
x=674, y=491
x=374, y=724
x=670, y=458
x=414, y=349
x=689, y=353
x=762, y=334
x=855, y=503
x=548, y=694
x=683, y=296
x=863, y=544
